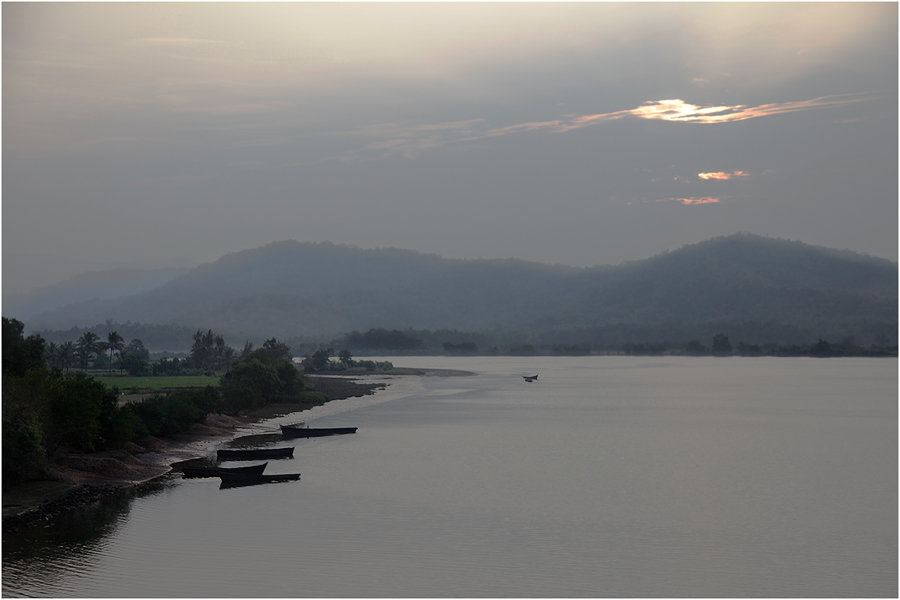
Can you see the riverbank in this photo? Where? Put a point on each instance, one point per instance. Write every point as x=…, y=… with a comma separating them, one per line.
x=82, y=478
x=79, y=478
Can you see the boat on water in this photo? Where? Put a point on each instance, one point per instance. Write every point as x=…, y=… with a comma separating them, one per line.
x=219, y=471
x=231, y=481
x=530, y=378
x=254, y=453
x=301, y=432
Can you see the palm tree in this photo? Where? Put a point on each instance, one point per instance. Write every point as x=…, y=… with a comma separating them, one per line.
x=66, y=355
x=114, y=341
x=86, y=345
x=52, y=355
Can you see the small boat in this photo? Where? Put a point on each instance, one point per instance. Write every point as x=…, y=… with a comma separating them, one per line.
x=254, y=453
x=530, y=378
x=301, y=432
x=230, y=481
x=218, y=471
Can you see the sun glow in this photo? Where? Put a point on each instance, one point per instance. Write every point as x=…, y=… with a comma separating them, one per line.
x=694, y=200
x=722, y=175
x=409, y=139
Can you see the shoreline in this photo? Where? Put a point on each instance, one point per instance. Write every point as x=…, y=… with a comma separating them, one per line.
x=83, y=478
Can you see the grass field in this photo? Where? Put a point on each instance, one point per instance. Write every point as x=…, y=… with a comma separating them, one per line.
x=158, y=383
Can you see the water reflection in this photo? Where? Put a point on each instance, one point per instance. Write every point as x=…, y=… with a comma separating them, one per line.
x=42, y=553
x=613, y=477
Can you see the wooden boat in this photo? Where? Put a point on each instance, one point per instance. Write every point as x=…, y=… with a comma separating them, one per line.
x=218, y=471
x=255, y=453
x=307, y=432
x=230, y=481
x=530, y=378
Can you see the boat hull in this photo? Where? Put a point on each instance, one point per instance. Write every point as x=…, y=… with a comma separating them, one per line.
x=191, y=472
x=308, y=432
x=252, y=454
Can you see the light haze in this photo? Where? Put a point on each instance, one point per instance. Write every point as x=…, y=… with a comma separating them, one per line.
x=169, y=134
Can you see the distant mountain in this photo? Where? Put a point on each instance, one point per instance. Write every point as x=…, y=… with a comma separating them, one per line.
x=90, y=286
x=752, y=288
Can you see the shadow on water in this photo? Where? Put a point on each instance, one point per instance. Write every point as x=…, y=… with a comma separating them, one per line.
x=80, y=531
x=250, y=441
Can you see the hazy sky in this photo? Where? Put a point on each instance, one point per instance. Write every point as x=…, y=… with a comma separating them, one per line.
x=586, y=133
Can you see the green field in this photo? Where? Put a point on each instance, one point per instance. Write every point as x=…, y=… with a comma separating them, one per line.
x=158, y=383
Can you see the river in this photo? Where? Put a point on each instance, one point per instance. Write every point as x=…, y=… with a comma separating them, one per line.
x=606, y=477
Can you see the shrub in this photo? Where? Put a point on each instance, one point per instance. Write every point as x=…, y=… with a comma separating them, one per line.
x=169, y=414
x=23, y=445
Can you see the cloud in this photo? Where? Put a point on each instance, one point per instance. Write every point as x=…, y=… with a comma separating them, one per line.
x=722, y=175
x=694, y=200
x=679, y=111
x=409, y=140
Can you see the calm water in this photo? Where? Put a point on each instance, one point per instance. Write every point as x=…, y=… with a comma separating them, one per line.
x=610, y=476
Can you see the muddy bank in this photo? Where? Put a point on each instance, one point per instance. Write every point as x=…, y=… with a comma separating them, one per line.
x=78, y=478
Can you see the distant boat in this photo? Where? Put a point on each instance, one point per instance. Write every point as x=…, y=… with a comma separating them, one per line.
x=219, y=471
x=231, y=481
x=530, y=378
x=254, y=453
x=301, y=432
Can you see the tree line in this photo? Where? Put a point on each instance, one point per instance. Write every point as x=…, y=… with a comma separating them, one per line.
x=48, y=412
x=453, y=342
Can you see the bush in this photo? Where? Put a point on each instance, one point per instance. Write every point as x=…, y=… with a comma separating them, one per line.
x=260, y=378
x=168, y=414
x=23, y=445
x=79, y=407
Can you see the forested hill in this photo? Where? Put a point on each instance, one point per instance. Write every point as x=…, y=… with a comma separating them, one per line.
x=755, y=289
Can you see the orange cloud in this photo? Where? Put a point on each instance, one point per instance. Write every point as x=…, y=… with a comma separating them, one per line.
x=694, y=201
x=410, y=139
x=679, y=111
x=722, y=175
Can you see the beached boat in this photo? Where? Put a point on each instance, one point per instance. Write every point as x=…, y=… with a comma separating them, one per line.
x=255, y=453
x=218, y=471
x=230, y=481
x=301, y=432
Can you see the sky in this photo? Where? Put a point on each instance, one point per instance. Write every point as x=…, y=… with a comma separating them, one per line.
x=169, y=134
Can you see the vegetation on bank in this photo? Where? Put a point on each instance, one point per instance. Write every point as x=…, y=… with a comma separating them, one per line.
x=66, y=396
x=320, y=362
x=456, y=343
x=48, y=411
x=143, y=383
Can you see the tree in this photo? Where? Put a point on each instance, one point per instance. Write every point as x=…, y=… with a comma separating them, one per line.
x=821, y=349
x=23, y=443
x=52, y=354
x=695, y=347
x=318, y=361
x=86, y=346
x=346, y=358
x=81, y=410
x=721, y=345
x=66, y=356
x=135, y=358
x=209, y=351
x=260, y=379
x=114, y=342
x=20, y=354
x=277, y=350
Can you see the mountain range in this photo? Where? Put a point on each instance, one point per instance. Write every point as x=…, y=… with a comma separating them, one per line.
x=754, y=289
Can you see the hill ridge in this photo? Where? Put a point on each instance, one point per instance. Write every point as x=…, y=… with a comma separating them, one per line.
x=319, y=289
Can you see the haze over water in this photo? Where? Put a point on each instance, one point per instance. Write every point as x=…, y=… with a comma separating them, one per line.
x=610, y=476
